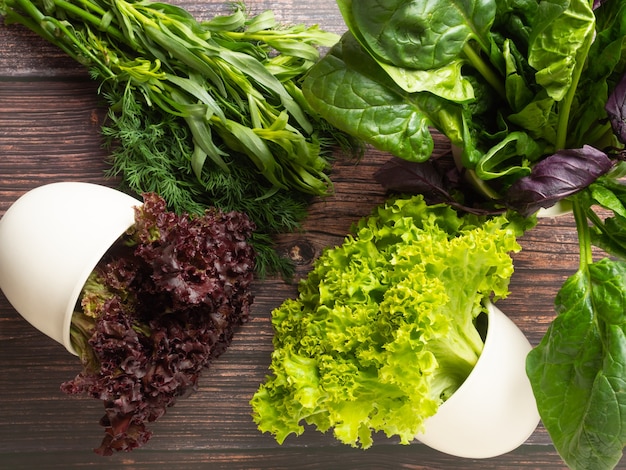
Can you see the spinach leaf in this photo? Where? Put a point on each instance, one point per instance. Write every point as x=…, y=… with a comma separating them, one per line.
x=355, y=94
x=447, y=82
x=578, y=371
x=559, y=44
x=417, y=58
x=421, y=35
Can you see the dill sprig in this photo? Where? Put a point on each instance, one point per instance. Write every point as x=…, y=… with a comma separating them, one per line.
x=151, y=153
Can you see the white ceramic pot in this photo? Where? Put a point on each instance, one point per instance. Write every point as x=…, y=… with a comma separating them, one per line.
x=51, y=239
x=494, y=411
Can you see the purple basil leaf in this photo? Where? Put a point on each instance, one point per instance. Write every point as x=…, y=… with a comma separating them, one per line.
x=616, y=109
x=437, y=179
x=402, y=176
x=556, y=177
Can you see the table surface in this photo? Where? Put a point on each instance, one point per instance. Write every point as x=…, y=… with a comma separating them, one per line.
x=49, y=131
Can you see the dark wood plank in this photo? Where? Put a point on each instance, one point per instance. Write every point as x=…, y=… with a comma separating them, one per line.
x=327, y=458
x=49, y=131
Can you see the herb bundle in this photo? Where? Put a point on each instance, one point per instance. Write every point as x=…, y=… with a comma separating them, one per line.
x=157, y=309
x=203, y=113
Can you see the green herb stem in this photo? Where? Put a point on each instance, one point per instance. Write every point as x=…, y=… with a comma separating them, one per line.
x=30, y=9
x=92, y=6
x=79, y=12
x=89, y=18
x=484, y=69
x=584, y=233
x=565, y=106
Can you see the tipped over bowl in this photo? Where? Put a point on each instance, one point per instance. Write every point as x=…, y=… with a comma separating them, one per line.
x=494, y=411
x=51, y=239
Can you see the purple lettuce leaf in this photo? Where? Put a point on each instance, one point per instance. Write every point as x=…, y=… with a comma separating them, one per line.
x=160, y=306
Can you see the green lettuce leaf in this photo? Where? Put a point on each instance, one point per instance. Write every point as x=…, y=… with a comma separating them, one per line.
x=384, y=327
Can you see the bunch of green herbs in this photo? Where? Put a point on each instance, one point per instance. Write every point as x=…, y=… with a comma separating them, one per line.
x=204, y=113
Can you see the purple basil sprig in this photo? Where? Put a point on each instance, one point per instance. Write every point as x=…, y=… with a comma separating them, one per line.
x=556, y=177
x=616, y=110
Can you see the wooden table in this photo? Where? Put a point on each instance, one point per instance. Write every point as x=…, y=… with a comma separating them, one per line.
x=49, y=131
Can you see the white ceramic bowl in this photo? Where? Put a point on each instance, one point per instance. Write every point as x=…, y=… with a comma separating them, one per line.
x=51, y=239
x=494, y=411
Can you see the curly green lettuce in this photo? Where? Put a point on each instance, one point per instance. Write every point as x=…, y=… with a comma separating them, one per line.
x=384, y=329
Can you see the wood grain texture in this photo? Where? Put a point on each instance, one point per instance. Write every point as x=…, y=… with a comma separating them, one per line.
x=49, y=131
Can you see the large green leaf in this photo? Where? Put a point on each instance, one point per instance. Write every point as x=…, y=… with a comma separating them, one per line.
x=578, y=371
x=351, y=91
x=447, y=82
x=559, y=43
x=424, y=34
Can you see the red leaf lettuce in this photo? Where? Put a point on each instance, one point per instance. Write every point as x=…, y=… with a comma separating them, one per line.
x=161, y=304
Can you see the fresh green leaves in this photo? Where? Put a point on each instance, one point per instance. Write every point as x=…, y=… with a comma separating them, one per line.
x=526, y=107
x=250, y=99
x=383, y=330
x=421, y=35
x=354, y=94
x=203, y=113
x=578, y=371
x=498, y=78
x=151, y=153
